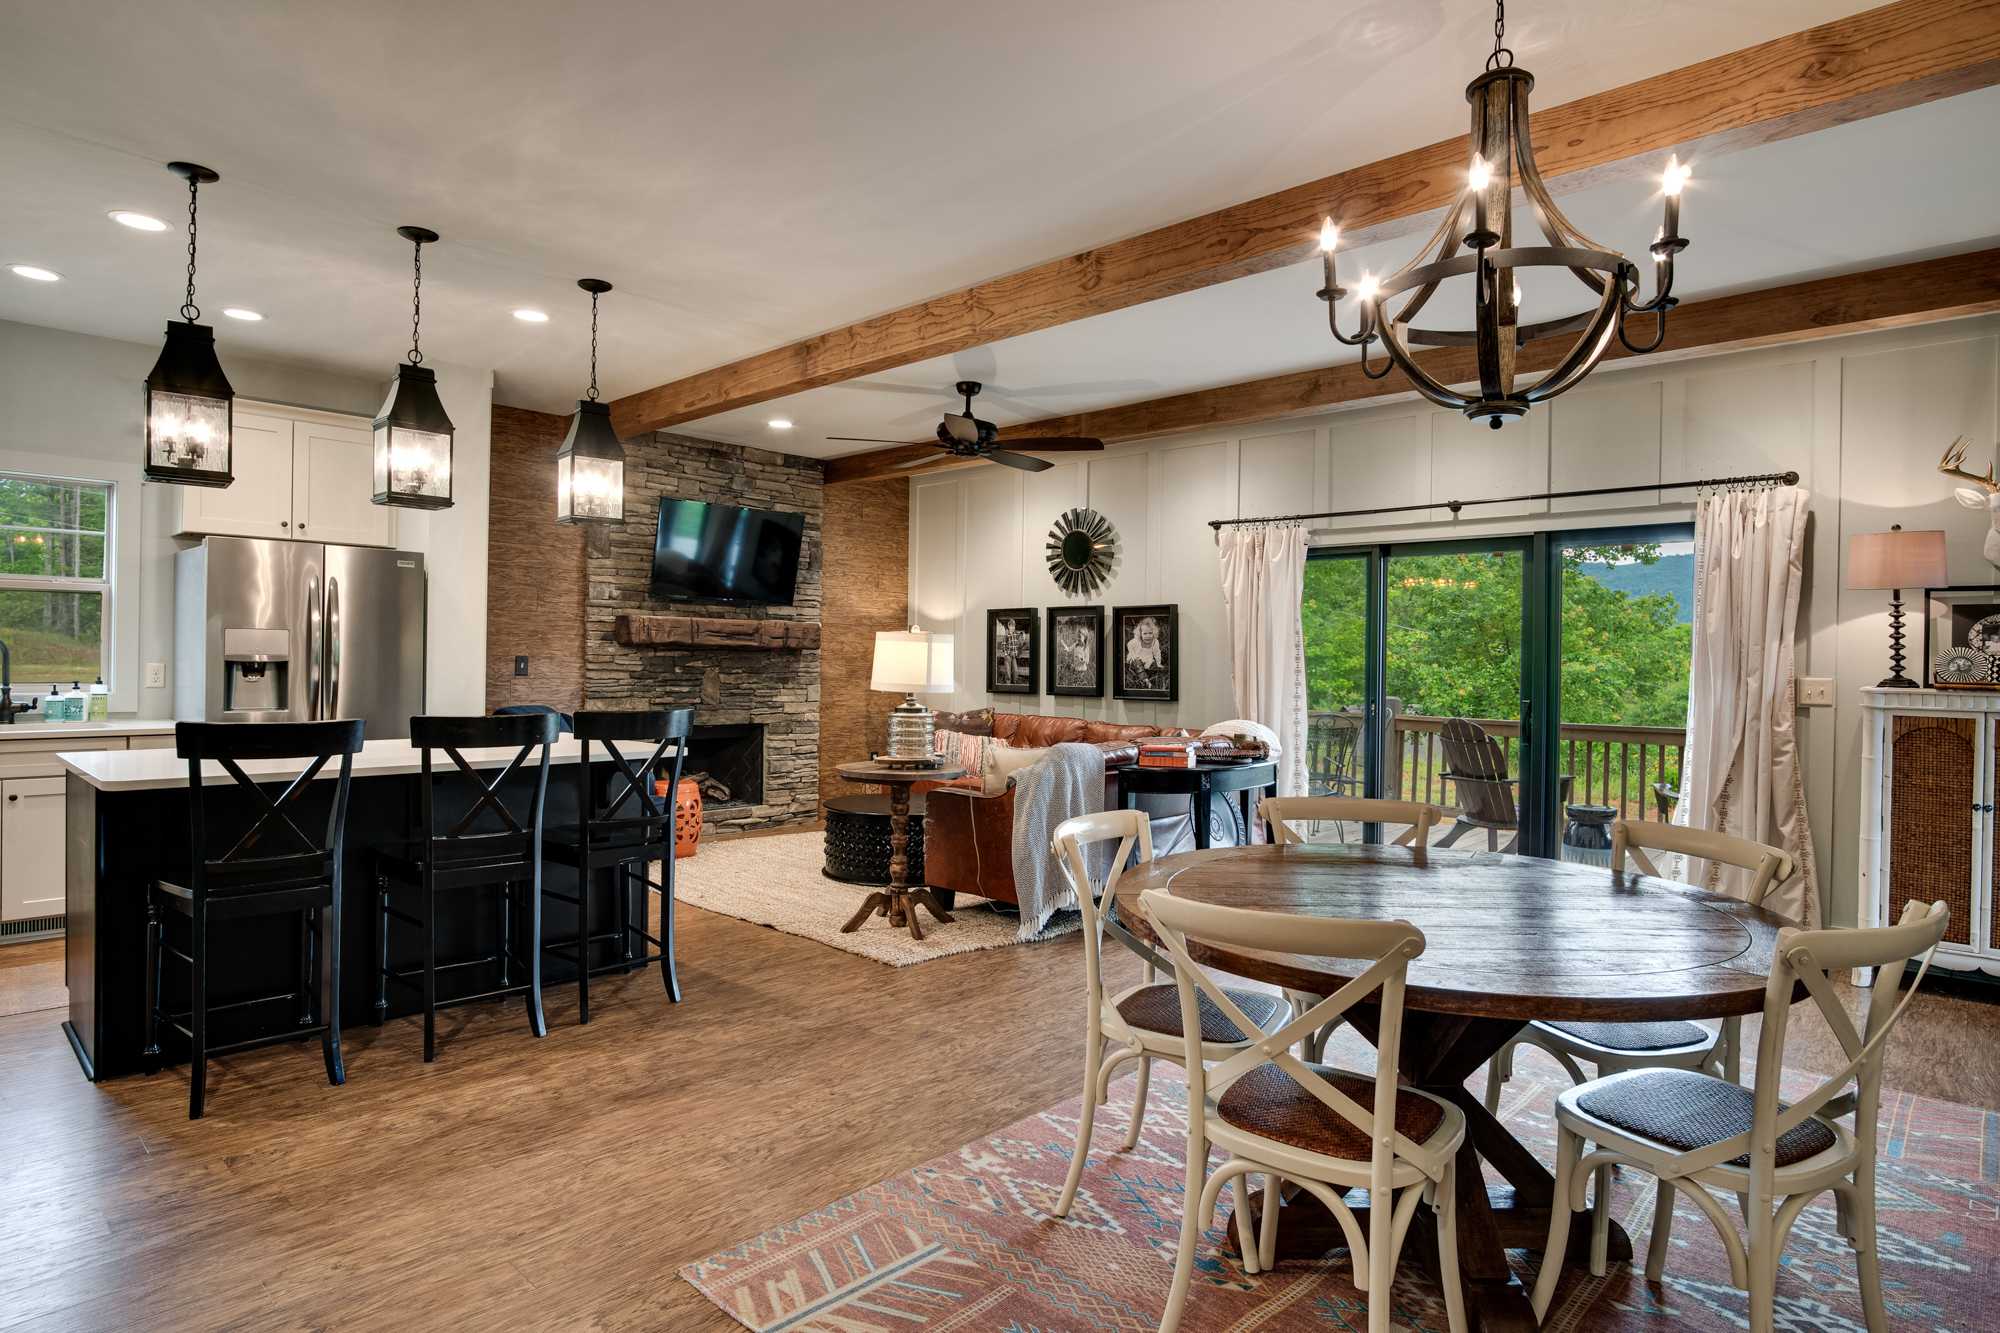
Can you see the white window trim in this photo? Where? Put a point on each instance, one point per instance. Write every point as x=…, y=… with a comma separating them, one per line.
x=120, y=649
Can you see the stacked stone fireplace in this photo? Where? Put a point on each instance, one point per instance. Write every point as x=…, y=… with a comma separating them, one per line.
x=756, y=711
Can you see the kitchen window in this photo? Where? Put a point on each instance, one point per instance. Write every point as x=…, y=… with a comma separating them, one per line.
x=55, y=580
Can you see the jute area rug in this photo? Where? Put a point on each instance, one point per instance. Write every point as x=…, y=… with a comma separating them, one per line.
x=965, y=1241
x=776, y=882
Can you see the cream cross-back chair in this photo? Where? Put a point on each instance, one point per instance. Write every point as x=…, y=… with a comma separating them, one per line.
x=1280, y=812
x=1695, y=1132
x=1325, y=1130
x=1143, y=1021
x=1611, y=1048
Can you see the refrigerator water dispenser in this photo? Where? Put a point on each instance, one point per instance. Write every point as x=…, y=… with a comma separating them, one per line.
x=255, y=670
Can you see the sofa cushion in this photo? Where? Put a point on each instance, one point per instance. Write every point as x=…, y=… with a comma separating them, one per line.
x=1119, y=731
x=961, y=750
x=976, y=722
x=1033, y=730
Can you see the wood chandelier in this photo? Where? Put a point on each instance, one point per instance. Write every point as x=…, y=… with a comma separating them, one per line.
x=1482, y=224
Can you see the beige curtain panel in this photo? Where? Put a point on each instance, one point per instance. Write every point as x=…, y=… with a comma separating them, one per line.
x=1741, y=773
x=1263, y=584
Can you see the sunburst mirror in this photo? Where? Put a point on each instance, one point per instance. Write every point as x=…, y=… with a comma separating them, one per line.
x=1080, y=549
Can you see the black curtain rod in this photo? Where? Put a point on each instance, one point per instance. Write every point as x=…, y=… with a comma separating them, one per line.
x=1761, y=479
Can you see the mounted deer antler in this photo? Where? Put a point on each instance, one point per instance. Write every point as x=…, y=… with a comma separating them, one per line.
x=1987, y=497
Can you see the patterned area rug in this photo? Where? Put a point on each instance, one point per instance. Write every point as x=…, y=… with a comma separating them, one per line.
x=966, y=1242
x=776, y=882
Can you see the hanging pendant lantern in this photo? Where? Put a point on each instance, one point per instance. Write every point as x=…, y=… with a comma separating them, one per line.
x=590, y=466
x=1481, y=223
x=189, y=404
x=412, y=431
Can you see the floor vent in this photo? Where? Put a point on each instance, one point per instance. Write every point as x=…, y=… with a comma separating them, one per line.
x=32, y=927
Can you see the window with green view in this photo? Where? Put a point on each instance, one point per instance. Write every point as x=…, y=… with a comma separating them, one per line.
x=54, y=579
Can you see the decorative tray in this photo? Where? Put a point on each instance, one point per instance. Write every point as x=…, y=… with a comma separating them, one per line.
x=917, y=763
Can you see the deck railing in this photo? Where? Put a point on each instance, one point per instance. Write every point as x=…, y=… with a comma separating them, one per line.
x=1607, y=765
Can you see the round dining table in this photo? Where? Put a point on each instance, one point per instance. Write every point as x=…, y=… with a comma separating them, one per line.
x=1508, y=939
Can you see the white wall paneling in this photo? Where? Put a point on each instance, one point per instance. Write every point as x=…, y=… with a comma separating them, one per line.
x=1862, y=419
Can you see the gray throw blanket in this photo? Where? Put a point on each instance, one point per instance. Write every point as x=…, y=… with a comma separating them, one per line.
x=1066, y=782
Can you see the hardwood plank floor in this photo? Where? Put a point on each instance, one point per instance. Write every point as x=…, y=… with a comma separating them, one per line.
x=560, y=1184
x=31, y=977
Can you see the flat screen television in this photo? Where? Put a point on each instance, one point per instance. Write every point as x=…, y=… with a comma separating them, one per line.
x=726, y=553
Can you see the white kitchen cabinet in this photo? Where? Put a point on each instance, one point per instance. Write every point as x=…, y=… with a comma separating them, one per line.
x=300, y=475
x=31, y=848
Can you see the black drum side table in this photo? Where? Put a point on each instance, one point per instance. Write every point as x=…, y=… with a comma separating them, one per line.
x=857, y=839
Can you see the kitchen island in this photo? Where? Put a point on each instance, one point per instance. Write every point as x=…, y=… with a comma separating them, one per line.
x=128, y=825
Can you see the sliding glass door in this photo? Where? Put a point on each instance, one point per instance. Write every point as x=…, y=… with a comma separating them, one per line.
x=1507, y=680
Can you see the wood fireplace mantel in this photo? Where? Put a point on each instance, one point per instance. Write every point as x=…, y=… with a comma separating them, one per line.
x=772, y=636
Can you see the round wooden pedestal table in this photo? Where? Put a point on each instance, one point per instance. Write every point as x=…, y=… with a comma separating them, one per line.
x=899, y=899
x=1508, y=939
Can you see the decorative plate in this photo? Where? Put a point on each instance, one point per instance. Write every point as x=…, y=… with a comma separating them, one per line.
x=1080, y=549
x=1962, y=667
x=1984, y=636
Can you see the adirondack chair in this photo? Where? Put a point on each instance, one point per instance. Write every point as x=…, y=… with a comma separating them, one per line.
x=1476, y=764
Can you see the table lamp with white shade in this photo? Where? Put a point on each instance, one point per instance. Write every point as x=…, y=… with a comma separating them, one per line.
x=1896, y=560
x=911, y=662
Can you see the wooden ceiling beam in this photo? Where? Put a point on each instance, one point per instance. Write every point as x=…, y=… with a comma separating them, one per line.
x=1864, y=65
x=1916, y=293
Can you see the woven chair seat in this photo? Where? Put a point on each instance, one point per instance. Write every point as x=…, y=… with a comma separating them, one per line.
x=1636, y=1037
x=1683, y=1110
x=1158, y=1009
x=1269, y=1102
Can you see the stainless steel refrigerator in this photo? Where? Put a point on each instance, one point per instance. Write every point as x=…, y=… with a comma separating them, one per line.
x=270, y=631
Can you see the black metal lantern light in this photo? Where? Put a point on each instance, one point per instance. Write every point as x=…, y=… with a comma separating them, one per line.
x=1481, y=223
x=412, y=432
x=189, y=412
x=590, y=466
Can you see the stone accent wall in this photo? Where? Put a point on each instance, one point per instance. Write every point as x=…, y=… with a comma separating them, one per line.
x=867, y=589
x=779, y=689
x=534, y=571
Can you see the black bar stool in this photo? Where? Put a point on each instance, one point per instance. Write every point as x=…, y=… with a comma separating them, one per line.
x=607, y=837
x=445, y=860
x=271, y=866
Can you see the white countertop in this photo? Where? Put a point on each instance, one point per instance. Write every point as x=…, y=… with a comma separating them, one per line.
x=148, y=770
x=39, y=730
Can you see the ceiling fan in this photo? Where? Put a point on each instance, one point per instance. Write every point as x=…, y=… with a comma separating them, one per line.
x=962, y=435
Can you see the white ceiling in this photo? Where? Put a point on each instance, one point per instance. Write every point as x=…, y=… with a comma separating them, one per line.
x=1786, y=211
x=746, y=173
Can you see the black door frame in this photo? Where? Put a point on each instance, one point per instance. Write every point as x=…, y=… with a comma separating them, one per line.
x=1541, y=655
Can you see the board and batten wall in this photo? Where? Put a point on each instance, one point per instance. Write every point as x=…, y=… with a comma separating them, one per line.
x=1862, y=419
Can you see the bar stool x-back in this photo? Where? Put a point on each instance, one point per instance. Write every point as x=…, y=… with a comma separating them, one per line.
x=628, y=843
x=491, y=847
x=272, y=867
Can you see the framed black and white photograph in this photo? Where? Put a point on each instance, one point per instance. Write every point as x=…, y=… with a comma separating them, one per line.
x=1962, y=637
x=1076, y=651
x=1146, y=653
x=1013, y=649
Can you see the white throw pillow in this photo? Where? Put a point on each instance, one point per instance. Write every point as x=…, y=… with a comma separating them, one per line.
x=1243, y=726
x=1002, y=763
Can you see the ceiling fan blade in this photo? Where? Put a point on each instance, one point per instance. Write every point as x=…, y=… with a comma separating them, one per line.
x=919, y=462
x=869, y=439
x=1055, y=444
x=1007, y=458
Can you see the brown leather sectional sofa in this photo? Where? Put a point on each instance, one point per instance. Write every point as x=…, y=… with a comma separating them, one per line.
x=969, y=836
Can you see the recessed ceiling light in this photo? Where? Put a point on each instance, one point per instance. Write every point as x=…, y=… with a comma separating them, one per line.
x=238, y=312
x=34, y=273
x=531, y=316
x=780, y=423
x=125, y=217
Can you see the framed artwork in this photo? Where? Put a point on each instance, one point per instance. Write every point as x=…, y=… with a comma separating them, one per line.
x=1146, y=653
x=1962, y=637
x=1013, y=651
x=1076, y=651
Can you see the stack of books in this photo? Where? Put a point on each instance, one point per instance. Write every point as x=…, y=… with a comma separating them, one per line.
x=1167, y=753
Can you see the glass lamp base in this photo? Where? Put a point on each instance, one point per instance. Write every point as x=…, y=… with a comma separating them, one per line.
x=910, y=729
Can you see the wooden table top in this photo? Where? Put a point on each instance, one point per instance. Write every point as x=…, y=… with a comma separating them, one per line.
x=1511, y=937
x=867, y=770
